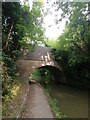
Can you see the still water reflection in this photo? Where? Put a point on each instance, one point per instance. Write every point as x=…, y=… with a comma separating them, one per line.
x=73, y=102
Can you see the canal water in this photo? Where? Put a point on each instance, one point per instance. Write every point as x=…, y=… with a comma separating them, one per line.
x=73, y=102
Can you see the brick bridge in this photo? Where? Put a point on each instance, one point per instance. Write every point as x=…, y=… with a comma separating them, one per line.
x=39, y=58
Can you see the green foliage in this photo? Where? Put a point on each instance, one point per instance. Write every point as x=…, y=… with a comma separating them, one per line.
x=32, y=24
x=51, y=43
x=21, y=27
x=7, y=84
x=75, y=36
x=72, y=51
x=54, y=106
x=43, y=76
x=10, y=31
x=36, y=75
x=61, y=57
x=10, y=64
x=75, y=67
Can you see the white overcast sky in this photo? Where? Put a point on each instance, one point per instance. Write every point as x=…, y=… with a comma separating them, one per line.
x=52, y=31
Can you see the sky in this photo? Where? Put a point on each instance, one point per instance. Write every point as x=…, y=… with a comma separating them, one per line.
x=52, y=31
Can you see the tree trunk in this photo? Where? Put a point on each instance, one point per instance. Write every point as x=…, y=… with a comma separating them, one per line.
x=7, y=41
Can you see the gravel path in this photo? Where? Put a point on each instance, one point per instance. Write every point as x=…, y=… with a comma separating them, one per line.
x=37, y=104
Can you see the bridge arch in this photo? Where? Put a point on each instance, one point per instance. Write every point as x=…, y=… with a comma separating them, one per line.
x=56, y=72
x=27, y=67
x=40, y=57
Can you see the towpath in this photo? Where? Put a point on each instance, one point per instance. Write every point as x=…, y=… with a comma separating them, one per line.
x=36, y=104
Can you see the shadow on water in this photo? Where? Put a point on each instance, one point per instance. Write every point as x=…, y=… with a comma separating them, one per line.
x=72, y=101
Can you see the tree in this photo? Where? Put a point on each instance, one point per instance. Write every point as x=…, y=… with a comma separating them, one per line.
x=20, y=27
x=75, y=39
x=32, y=23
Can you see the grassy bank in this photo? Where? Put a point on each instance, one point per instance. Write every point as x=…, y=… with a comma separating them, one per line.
x=12, y=104
x=53, y=104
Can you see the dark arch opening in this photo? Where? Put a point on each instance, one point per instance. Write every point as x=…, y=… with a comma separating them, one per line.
x=56, y=72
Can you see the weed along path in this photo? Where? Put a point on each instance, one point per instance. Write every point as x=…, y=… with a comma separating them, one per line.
x=36, y=105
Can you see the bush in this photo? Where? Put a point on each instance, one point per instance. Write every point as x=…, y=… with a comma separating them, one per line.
x=75, y=67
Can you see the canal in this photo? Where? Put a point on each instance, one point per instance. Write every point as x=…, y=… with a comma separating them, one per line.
x=73, y=102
